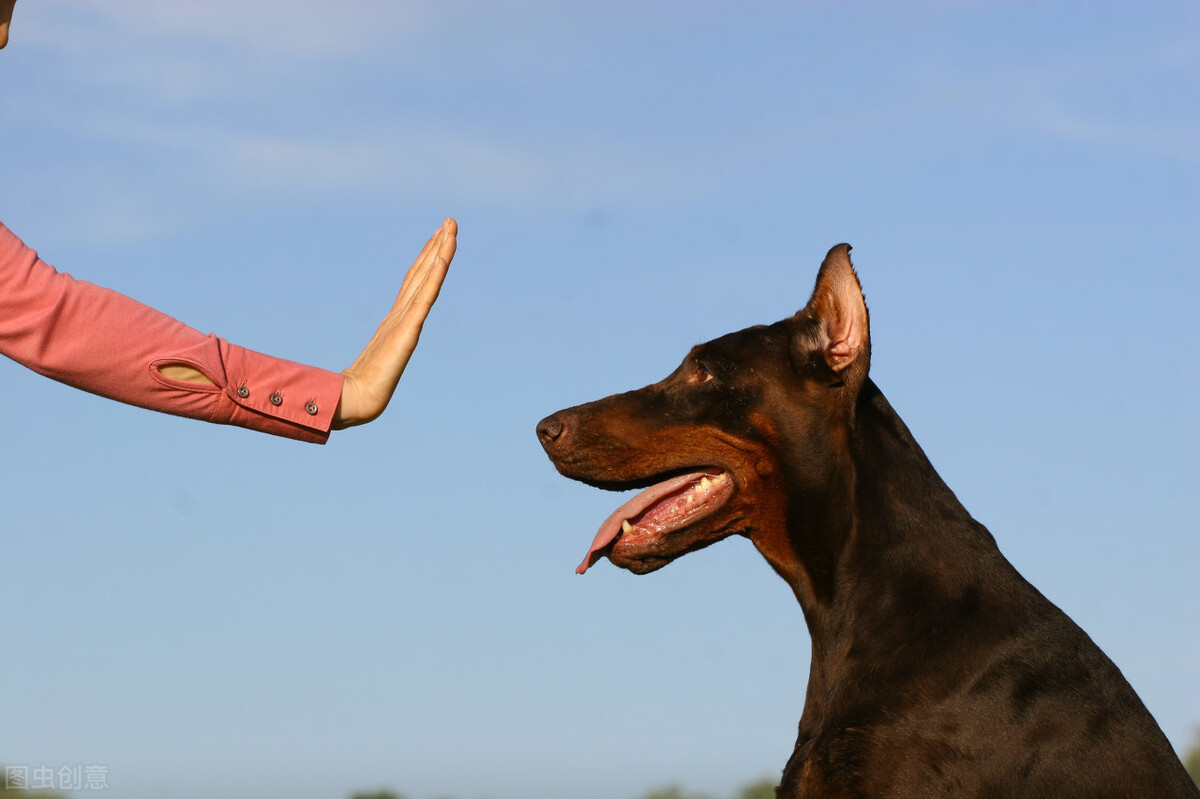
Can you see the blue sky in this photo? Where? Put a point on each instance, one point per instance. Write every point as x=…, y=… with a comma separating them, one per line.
x=212, y=612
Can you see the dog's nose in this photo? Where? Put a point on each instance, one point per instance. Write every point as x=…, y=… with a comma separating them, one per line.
x=549, y=429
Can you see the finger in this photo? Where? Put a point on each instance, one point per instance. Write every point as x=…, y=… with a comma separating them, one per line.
x=449, y=244
x=399, y=331
x=426, y=293
x=442, y=244
x=428, y=290
x=418, y=268
x=427, y=286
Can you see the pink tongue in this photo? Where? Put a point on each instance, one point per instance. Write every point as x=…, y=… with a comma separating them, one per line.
x=611, y=528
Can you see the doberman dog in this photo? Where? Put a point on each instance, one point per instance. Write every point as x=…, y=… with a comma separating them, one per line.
x=937, y=670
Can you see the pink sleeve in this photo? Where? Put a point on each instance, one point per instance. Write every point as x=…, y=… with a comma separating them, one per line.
x=106, y=343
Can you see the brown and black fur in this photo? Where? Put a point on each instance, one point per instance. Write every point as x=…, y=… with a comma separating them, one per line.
x=937, y=670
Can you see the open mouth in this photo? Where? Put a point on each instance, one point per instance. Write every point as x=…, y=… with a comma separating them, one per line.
x=641, y=524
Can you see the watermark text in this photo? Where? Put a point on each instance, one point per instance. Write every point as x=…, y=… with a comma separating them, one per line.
x=74, y=777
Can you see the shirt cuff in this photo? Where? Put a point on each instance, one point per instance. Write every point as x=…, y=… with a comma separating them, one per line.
x=278, y=396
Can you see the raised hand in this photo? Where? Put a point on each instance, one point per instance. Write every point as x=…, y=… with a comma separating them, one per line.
x=372, y=378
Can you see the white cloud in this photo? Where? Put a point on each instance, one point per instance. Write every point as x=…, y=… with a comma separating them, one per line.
x=1052, y=102
x=434, y=160
x=1054, y=118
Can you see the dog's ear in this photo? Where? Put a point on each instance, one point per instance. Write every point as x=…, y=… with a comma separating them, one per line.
x=835, y=323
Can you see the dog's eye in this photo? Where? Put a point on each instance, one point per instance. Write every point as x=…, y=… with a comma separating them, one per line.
x=700, y=375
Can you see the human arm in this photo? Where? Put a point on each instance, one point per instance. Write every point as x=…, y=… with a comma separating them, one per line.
x=108, y=344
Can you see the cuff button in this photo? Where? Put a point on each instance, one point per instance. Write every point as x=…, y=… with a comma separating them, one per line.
x=276, y=398
x=311, y=408
x=243, y=392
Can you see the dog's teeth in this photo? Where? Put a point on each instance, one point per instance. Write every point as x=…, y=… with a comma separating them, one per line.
x=626, y=526
x=705, y=484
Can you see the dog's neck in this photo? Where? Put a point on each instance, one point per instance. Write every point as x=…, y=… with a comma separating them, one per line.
x=879, y=549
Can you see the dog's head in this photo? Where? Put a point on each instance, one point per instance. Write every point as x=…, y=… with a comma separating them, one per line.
x=713, y=443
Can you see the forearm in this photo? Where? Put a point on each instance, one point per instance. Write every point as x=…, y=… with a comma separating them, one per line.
x=106, y=343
